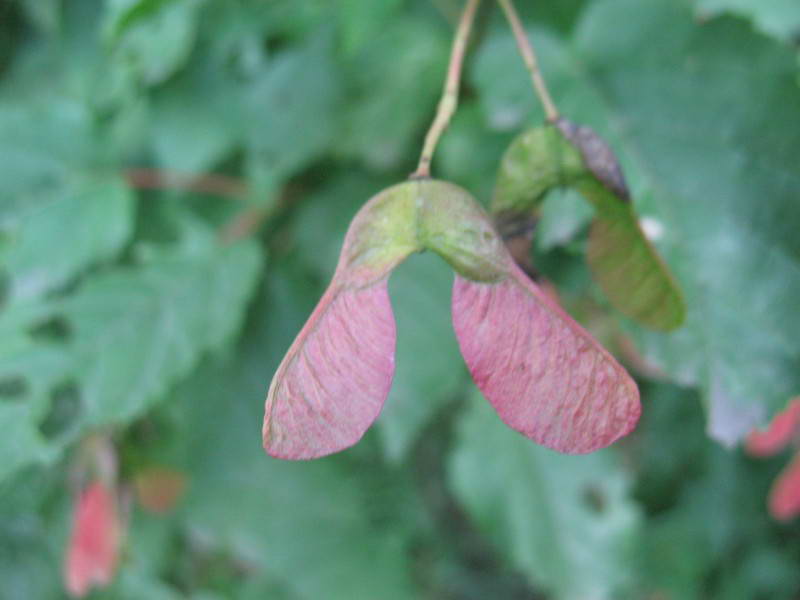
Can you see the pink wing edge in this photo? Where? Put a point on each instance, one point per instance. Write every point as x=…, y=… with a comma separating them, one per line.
x=332, y=383
x=94, y=543
x=778, y=434
x=545, y=376
x=784, y=498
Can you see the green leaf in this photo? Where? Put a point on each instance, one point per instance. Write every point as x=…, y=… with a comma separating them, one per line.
x=132, y=333
x=130, y=585
x=720, y=185
x=42, y=144
x=707, y=507
x=125, y=13
x=22, y=444
x=30, y=539
x=282, y=142
x=29, y=371
x=735, y=539
x=504, y=86
x=89, y=222
x=35, y=364
x=360, y=19
x=156, y=37
x=44, y=14
x=305, y=522
x=429, y=369
x=136, y=331
x=469, y=150
x=396, y=80
x=565, y=521
x=257, y=589
x=61, y=210
x=778, y=18
x=563, y=215
x=75, y=70
x=559, y=16
x=200, y=100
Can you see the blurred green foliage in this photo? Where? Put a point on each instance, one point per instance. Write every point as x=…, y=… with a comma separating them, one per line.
x=156, y=307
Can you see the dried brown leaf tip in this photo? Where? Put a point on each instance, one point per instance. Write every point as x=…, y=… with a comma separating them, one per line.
x=598, y=156
x=159, y=489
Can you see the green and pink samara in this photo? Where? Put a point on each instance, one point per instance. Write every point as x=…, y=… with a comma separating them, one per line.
x=542, y=372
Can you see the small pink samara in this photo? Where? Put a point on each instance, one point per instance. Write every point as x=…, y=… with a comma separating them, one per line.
x=94, y=544
x=782, y=432
x=542, y=372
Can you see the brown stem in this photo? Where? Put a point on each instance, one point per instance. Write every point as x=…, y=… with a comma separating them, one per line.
x=211, y=184
x=244, y=224
x=248, y=221
x=449, y=101
x=529, y=56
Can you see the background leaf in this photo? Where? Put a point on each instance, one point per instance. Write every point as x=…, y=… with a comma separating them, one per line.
x=155, y=36
x=124, y=314
x=279, y=146
x=566, y=521
x=201, y=99
x=29, y=372
x=779, y=18
x=721, y=251
x=87, y=222
x=395, y=85
x=148, y=326
x=429, y=372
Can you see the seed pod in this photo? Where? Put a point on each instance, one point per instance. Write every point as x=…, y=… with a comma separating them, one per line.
x=621, y=258
x=545, y=375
